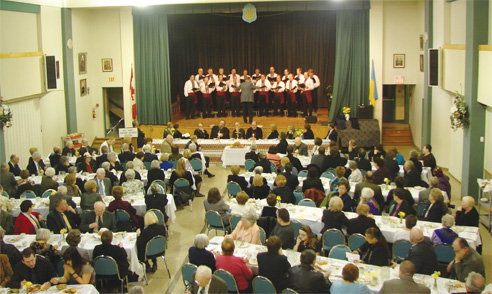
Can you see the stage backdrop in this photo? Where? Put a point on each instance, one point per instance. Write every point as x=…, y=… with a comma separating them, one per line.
x=283, y=40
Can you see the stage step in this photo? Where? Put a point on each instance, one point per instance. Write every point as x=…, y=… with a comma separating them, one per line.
x=395, y=134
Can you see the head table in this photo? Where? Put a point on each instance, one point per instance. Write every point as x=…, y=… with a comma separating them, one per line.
x=372, y=276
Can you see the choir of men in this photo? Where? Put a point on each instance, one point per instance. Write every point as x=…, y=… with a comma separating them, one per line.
x=274, y=93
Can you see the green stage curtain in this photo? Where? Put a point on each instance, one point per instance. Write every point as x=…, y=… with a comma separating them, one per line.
x=152, y=77
x=351, y=83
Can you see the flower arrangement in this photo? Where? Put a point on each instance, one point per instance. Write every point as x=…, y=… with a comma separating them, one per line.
x=27, y=285
x=296, y=132
x=401, y=214
x=346, y=110
x=169, y=131
x=460, y=117
x=436, y=275
x=5, y=115
x=63, y=231
x=279, y=199
x=236, y=145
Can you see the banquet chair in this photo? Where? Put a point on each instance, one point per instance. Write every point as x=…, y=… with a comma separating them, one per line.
x=233, y=221
x=328, y=175
x=162, y=184
x=401, y=249
x=160, y=216
x=229, y=279
x=214, y=222
x=331, y=238
x=148, y=165
x=249, y=164
x=297, y=226
x=233, y=188
x=197, y=165
x=273, y=167
x=59, y=267
x=421, y=209
x=107, y=268
x=307, y=202
x=355, y=241
x=157, y=247
x=82, y=214
x=302, y=174
x=289, y=291
x=263, y=285
x=339, y=252
x=445, y=254
x=123, y=165
x=5, y=194
x=122, y=220
x=187, y=272
x=28, y=194
x=262, y=236
x=175, y=163
x=294, y=171
x=299, y=196
x=331, y=171
x=47, y=193
x=162, y=190
x=182, y=183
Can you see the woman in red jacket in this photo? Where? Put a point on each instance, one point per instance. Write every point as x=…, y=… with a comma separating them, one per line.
x=27, y=222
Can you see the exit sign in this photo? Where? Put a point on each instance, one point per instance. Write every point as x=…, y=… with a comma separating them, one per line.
x=111, y=79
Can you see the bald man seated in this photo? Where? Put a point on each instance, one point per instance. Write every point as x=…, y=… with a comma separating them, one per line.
x=205, y=282
x=422, y=254
x=405, y=281
x=93, y=221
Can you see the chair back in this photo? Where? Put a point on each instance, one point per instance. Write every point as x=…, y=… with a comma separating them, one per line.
x=249, y=164
x=84, y=212
x=59, y=267
x=234, y=220
x=106, y=266
x=302, y=174
x=175, y=163
x=214, y=221
x=187, y=272
x=162, y=184
x=148, y=165
x=262, y=285
x=181, y=183
x=363, y=172
x=307, y=202
x=161, y=190
x=233, y=188
x=262, y=236
x=28, y=194
x=331, y=171
x=339, y=252
x=123, y=165
x=332, y=237
x=328, y=175
x=289, y=291
x=4, y=193
x=229, y=279
x=297, y=226
x=273, y=167
x=299, y=196
x=121, y=215
x=155, y=247
x=47, y=193
x=294, y=171
x=316, y=195
x=421, y=209
x=401, y=249
x=355, y=241
x=445, y=253
x=160, y=216
x=196, y=164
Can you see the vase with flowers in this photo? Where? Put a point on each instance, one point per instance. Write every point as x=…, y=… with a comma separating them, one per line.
x=346, y=111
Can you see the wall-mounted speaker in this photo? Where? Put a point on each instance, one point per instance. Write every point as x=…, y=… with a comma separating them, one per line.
x=50, y=63
x=434, y=67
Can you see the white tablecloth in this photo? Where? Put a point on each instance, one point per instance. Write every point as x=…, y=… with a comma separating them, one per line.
x=271, y=180
x=234, y=156
x=85, y=177
x=372, y=276
x=41, y=205
x=86, y=289
x=88, y=242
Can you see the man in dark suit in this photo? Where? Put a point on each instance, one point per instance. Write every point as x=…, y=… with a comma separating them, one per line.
x=35, y=269
x=361, y=160
x=104, y=184
x=292, y=180
x=319, y=159
x=412, y=177
x=126, y=155
x=203, y=277
x=368, y=183
x=97, y=219
x=294, y=160
x=254, y=131
x=115, y=251
x=221, y=128
x=85, y=144
x=304, y=279
x=61, y=217
x=55, y=157
x=300, y=147
x=62, y=193
x=148, y=156
x=361, y=223
x=7, y=180
x=35, y=164
x=332, y=133
x=422, y=253
x=14, y=165
x=252, y=154
x=103, y=157
x=405, y=283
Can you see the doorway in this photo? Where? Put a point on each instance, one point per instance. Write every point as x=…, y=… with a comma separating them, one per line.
x=396, y=103
x=113, y=110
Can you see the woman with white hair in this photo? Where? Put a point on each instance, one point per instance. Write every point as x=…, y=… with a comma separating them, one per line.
x=36, y=164
x=467, y=214
x=114, y=165
x=445, y=235
x=132, y=186
x=199, y=255
x=333, y=217
x=41, y=246
x=47, y=182
x=355, y=175
x=155, y=173
x=246, y=230
x=367, y=197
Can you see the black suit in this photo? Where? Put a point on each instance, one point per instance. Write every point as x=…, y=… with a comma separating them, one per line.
x=100, y=159
x=275, y=268
x=238, y=134
x=225, y=132
x=265, y=163
x=42, y=272
x=240, y=180
x=364, y=164
x=257, y=132
x=251, y=155
x=295, y=162
x=90, y=217
x=417, y=164
x=62, y=168
x=360, y=224
x=393, y=167
x=435, y=212
x=217, y=286
x=154, y=174
x=424, y=258
x=67, y=151
x=407, y=209
x=55, y=160
x=200, y=134
x=285, y=193
x=31, y=167
x=282, y=146
x=56, y=223
x=292, y=181
x=412, y=178
x=149, y=157
x=304, y=279
x=273, y=135
x=126, y=156
x=117, y=253
x=332, y=135
x=14, y=168
x=56, y=196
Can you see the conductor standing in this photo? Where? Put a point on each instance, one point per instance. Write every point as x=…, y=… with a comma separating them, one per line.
x=247, y=99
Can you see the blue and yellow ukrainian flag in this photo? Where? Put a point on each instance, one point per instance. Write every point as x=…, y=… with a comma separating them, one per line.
x=373, y=92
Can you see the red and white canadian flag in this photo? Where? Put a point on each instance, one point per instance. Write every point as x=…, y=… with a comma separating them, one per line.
x=132, y=92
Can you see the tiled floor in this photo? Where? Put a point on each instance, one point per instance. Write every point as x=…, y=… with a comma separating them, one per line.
x=189, y=223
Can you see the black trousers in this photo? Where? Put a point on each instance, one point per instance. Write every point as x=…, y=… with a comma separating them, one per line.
x=221, y=105
x=291, y=106
x=206, y=107
x=247, y=111
x=276, y=106
x=262, y=104
x=307, y=107
x=314, y=94
x=190, y=107
x=256, y=101
x=235, y=106
x=299, y=99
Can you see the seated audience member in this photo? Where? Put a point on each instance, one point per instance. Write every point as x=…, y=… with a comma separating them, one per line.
x=215, y=202
x=246, y=231
x=333, y=160
x=339, y=175
x=129, y=165
x=318, y=159
x=292, y=180
x=362, y=161
x=343, y=189
x=181, y=173
x=97, y=219
x=242, y=207
x=36, y=164
x=444, y=235
x=378, y=151
x=355, y=173
x=165, y=146
x=103, y=157
x=165, y=163
x=73, y=240
x=103, y=184
x=252, y=154
x=367, y=197
x=381, y=171
x=114, y=165
x=133, y=186
x=37, y=270
x=466, y=260
x=258, y=170
x=307, y=240
x=333, y=216
x=348, y=284
x=28, y=221
x=404, y=234
x=475, y=283
x=117, y=252
x=398, y=156
x=177, y=134
x=77, y=270
x=273, y=133
x=10, y=250
x=87, y=165
x=312, y=180
x=467, y=214
x=375, y=250
x=422, y=254
x=400, y=205
x=273, y=264
x=240, y=180
x=235, y=265
x=270, y=209
x=264, y=163
x=362, y=222
x=6, y=220
x=414, y=158
x=62, y=217
x=368, y=183
x=308, y=133
x=293, y=159
x=195, y=155
x=238, y=132
x=260, y=189
x=138, y=164
x=405, y=193
x=14, y=165
x=204, y=280
x=299, y=147
x=90, y=196
x=47, y=181
x=63, y=166
x=304, y=278
x=272, y=156
x=405, y=281
x=24, y=184
x=175, y=155
x=108, y=144
x=412, y=177
x=391, y=164
x=282, y=144
x=148, y=155
x=6, y=271
x=443, y=180
x=284, y=229
x=109, y=174
x=151, y=229
x=199, y=255
x=283, y=191
x=427, y=157
x=41, y=246
x=72, y=189
x=155, y=173
x=353, y=149
x=435, y=210
x=424, y=194
x=119, y=203
x=156, y=200
x=126, y=155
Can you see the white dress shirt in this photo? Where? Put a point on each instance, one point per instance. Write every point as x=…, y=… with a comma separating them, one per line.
x=291, y=86
x=317, y=82
x=309, y=84
x=264, y=83
x=189, y=85
x=232, y=89
x=299, y=78
x=206, y=90
x=279, y=84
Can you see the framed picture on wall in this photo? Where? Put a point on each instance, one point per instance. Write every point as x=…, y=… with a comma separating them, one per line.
x=421, y=42
x=82, y=63
x=398, y=60
x=421, y=62
x=83, y=87
x=107, y=64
